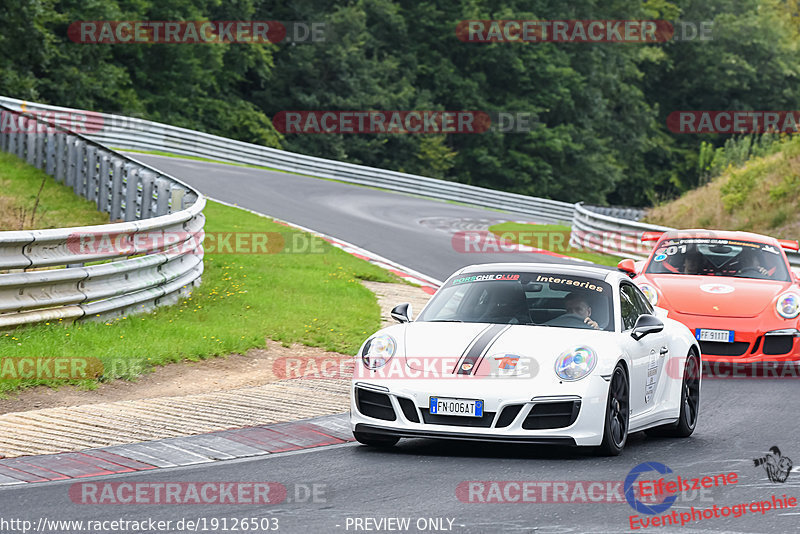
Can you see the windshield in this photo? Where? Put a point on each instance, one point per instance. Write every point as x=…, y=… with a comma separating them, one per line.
x=719, y=257
x=523, y=298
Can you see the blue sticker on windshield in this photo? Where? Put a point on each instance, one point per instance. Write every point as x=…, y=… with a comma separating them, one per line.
x=660, y=257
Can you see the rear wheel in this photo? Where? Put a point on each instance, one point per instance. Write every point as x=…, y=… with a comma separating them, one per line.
x=375, y=440
x=690, y=403
x=615, y=429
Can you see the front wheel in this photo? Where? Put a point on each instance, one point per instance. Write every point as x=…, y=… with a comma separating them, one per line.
x=615, y=428
x=375, y=440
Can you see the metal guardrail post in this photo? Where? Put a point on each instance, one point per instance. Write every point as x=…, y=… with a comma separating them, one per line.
x=4, y=125
x=39, y=151
x=92, y=183
x=60, y=158
x=176, y=199
x=131, y=207
x=82, y=169
x=11, y=143
x=72, y=161
x=162, y=196
x=30, y=148
x=147, y=180
x=116, y=197
x=104, y=182
x=50, y=153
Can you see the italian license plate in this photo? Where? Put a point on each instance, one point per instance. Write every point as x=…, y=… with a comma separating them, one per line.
x=463, y=407
x=705, y=334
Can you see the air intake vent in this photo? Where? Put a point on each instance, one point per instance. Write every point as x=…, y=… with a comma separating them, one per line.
x=508, y=415
x=548, y=415
x=457, y=420
x=716, y=348
x=373, y=404
x=409, y=410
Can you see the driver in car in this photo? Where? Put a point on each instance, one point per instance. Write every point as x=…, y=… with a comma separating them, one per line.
x=576, y=304
x=750, y=265
x=692, y=262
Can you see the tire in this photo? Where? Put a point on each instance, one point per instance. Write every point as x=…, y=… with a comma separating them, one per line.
x=690, y=403
x=617, y=418
x=375, y=440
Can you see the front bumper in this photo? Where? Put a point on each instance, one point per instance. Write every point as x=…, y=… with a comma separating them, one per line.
x=753, y=339
x=406, y=433
x=516, y=410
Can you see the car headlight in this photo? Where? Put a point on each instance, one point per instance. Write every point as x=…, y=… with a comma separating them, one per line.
x=378, y=351
x=788, y=305
x=576, y=363
x=650, y=292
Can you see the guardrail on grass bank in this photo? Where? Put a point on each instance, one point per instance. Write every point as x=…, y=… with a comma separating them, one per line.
x=51, y=274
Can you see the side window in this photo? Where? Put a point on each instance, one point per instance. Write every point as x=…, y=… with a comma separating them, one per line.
x=628, y=307
x=643, y=304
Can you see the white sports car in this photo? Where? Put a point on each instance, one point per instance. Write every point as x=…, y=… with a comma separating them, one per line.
x=528, y=353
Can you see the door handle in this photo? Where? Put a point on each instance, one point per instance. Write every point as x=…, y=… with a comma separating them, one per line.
x=664, y=351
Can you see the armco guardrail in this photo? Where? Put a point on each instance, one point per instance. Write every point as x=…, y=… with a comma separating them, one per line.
x=622, y=237
x=137, y=134
x=153, y=258
x=603, y=233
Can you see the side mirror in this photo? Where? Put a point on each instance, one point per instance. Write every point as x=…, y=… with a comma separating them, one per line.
x=646, y=324
x=628, y=267
x=402, y=313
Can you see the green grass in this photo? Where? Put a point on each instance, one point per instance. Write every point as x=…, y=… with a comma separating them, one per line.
x=311, y=298
x=58, y=205
x=552, y=237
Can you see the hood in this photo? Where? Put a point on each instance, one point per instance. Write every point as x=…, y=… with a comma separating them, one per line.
x=481, y=349
x=717, y=296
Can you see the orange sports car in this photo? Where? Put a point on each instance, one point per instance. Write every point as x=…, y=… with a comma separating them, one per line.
x=734, y=290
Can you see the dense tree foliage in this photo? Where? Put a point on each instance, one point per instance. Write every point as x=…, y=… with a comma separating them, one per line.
x=600, y=109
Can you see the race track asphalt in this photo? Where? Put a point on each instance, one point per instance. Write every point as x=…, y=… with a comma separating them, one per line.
x=740, y=420
x=413, y=231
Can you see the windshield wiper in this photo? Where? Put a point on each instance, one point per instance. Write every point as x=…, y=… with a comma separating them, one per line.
x=445, y=321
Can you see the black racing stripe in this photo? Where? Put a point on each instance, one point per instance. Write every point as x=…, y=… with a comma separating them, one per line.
x=488, y=347
x=474, y=352
x=469, y=346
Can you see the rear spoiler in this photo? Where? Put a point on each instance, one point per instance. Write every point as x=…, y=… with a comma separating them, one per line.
x=651, y=236
x=789, y=244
